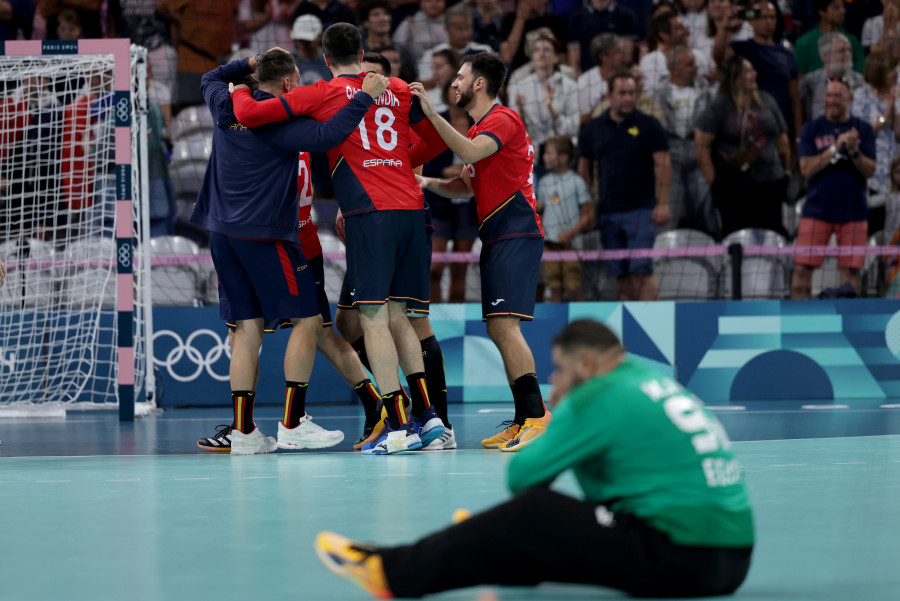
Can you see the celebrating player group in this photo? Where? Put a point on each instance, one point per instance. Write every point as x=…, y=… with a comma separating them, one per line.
x=375, y=130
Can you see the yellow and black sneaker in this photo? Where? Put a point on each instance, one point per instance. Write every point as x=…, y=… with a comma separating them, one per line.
x=356, y=562
x=530, y=430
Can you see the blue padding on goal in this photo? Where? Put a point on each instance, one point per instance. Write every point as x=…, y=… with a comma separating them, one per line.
x=123, y=108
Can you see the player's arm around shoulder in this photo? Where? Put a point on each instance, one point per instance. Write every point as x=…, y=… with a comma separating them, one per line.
x=214, y=85
x=575, y=435
x=470, y=151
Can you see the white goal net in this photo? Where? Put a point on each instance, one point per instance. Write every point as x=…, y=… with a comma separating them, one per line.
x=74, y=310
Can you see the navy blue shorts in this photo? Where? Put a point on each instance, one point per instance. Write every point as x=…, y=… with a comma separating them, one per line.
x=455, y=219
x=258, y=278
x=509, y=277
x=625, y=230
x=386, y=259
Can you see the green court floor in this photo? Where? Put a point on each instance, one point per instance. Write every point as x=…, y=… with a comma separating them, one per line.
x=198, y=527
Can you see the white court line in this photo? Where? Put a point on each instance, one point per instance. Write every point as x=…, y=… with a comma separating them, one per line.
x=126, y=480
x=46, y=481
x=814, y=407
x=261, y=477
x=851, y=463
x=398, y=474
x=512, y=410
x=463, y=473
x=890, y=406
x=191, y=479
x=787, y=465
x=726, y=408
x=330, y=476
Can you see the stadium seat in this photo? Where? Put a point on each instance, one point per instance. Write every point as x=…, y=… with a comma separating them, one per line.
x=192, y=120
x=186, y=178
x=873, y=269
x=686, y=278
x=334, y=270
x=29, y=287
x=174, y=285
x=791, y=217
x=762, y=277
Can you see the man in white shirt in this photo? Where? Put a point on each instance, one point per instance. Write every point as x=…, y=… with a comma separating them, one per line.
x=610, y=51
x=458, y=24
x=670, y=32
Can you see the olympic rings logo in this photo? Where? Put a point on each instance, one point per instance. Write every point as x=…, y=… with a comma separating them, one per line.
x=123, y=109
x=125, y=255
x=186, y=350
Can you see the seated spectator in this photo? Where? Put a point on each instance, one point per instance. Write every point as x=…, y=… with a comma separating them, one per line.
x=529, y=16
x=742, y=148
x=455, y=220
x=444, y=65
x=610, y=52
x=68, y=25
x=670, y=32
x=307, y=36
x=630, y=151
x=723, y=24
x=376, y=33
x=566, y=211
x=831, y=19
x=596, y=17
x=88, y=12
x=424, y=30
x=838, y=60
x=546, y=100
x=17, y=20
x=459, y=39
x=876, y=103
x=487, y=20
x=645, y=103
x=881, y=33
x=328, y=12
x=139, y=21
x=201, y=32
x=682, y=102
x=837, y=156
x=773, y=63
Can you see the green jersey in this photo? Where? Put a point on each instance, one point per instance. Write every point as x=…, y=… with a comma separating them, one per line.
x=639, y=443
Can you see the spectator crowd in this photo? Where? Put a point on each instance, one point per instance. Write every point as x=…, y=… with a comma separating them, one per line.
x=646, y=115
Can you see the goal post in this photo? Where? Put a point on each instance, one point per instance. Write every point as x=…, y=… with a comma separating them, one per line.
x=75, y=312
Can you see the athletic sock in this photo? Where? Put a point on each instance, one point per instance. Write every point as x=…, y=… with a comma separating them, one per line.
x=242, y=400
x=527, y=396
x=294, y=403
x=435, y=376
x=519, y=418
x=393, y=403
x=359, y=345
x=370, y=398
x=418, y=390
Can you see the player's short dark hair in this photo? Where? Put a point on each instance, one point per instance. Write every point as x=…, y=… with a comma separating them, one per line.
x=379, y=59
x=368, y=7
x=489, y=66
x=274, y=65
x=562, y=145
x=342, y=44
x=587, y=333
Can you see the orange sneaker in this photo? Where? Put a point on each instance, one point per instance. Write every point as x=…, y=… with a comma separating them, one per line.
x=502, y=437
x=373, y=434
x=530, y=430
x=353, y=561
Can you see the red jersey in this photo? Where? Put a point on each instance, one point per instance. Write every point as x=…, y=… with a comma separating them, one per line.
x=502, y=182
x=309, y=231
x=371, y=169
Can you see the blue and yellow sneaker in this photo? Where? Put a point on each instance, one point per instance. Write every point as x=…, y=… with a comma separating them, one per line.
x=356, y=562
x=404, y=438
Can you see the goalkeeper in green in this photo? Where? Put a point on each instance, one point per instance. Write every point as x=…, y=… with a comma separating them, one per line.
x=665, y=510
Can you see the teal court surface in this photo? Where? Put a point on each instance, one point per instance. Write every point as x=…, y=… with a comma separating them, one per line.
x=94, y=510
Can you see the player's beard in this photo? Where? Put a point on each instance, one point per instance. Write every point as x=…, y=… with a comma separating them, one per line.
x=465, y=97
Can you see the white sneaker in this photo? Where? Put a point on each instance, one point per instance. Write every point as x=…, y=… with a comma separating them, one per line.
x=307, y=435
x=447, y=442
x=251, y=444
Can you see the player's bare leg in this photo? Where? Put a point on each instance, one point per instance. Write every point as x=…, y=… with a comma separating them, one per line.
x=339, y=352
x=433, y=360
x=246, y=439
x=301, y=348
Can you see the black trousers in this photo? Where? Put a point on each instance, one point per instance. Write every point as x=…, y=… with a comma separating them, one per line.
x=543, y=536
